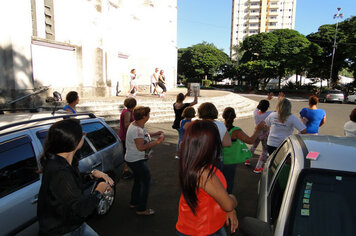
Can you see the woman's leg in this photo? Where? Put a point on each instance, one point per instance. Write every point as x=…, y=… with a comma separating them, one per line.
x=263, y=155
x=143, y=177
x=178, y=143
x=136, y=188
x=229, y=172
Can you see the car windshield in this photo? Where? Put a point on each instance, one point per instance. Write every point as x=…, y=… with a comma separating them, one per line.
x=324, y=204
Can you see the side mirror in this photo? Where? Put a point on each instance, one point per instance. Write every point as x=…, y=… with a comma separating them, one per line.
x=255, y=227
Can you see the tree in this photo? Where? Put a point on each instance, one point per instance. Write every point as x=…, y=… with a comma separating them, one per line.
x=276, y=54
x=345, y=53
x=201, y=60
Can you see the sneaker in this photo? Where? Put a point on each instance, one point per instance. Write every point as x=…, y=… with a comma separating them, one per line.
x=176, y=157
x=247, y=163
x=258, y=171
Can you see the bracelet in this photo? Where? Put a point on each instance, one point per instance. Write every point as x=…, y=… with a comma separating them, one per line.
x=92, y=172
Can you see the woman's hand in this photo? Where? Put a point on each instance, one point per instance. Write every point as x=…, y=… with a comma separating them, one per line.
x=101, y=175
x=231, y=219
x=102, y=187
x=160, y=139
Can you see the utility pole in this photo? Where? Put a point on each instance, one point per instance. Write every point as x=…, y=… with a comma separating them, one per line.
x=337, y=16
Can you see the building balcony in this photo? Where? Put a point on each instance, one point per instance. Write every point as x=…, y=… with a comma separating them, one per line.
x=272, y=19
x=253, y=27
x=253, y=21
x=272, y=13
x=274, y=6
x=254, y=7
x=254, y=13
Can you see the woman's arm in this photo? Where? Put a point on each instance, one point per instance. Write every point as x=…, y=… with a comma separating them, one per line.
x=127, y=118
x=226, y=141
x=195, y=100
x=323, y=121
x=216, y=190
x=156, y=133
x=142, y=146
x=240, y=134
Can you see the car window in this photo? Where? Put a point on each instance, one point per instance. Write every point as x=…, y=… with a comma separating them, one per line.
x=323, y=204
x=83, y=152
x=277, y=161
x=98, y=135
x=18, y=165
x=278, y=189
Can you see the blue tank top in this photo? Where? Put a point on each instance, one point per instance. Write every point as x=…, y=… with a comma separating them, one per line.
x=181, y=130
x=68, y=107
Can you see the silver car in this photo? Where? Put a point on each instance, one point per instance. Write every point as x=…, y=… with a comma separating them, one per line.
x=331, y=96
x=21, y=143
x=351, y=98
x=308, y=187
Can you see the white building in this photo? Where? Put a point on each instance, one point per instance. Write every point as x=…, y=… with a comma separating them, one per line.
x=256, y=16
x=85, y=45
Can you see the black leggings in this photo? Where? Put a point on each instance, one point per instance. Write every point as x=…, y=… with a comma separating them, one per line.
x=160, y=84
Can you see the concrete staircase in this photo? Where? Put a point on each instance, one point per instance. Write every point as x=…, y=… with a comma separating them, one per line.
x=162, y=108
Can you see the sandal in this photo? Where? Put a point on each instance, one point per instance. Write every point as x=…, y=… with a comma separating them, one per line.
x=147, y=212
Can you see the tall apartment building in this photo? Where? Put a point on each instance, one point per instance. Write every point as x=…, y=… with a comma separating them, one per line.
x=256, y=16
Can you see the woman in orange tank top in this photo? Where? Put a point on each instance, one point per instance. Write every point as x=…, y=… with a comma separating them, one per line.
x=204, y=205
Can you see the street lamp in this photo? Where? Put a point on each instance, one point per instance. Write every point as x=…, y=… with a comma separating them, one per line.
x=337, y=16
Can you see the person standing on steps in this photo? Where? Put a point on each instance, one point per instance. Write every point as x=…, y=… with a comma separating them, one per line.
x=133, y=85
x=154, y=82
x=178, y=108
x=161, y=83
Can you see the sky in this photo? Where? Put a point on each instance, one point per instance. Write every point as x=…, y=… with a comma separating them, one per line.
x=210, y=20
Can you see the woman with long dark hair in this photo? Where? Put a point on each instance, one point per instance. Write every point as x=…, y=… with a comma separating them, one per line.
x=238, y=152
x=204, y=205
x=62, y=203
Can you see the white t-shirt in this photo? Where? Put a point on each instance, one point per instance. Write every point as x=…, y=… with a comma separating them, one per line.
x=133, y=79
x=260, y=116
x=350, y=129
x=222, y=128
x=153, y=79
x=279, y=131
x=132, y=153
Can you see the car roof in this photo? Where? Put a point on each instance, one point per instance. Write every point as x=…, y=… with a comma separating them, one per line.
x=11, y=122
x=335, y=152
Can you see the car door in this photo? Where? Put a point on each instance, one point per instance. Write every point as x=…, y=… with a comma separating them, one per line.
x=19, y=184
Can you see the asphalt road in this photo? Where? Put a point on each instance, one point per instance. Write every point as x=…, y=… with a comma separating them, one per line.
x=164, y=194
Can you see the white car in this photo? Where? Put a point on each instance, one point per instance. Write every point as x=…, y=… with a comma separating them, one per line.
x=308, y=187
x=351, y=98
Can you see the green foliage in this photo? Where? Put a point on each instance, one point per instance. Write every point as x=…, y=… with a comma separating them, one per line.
x=201, y=60
x=206, y=82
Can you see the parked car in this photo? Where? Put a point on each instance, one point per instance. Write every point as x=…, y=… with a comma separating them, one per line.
x=22, y=138
x=331, y=96
x=301, y=196
x=351, y=98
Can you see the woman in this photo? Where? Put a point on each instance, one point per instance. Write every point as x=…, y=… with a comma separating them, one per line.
x=282, y=124
x=126, y=118
x=178, y=108
x=188, y=114
x=313, y=117
x=260, y=114
x=208, y=111
x=133, y=86
x=62, y=204
x=161, y=83
x=138, y=150
x=238, y=152
x=72, y=100
x=204, y=205
x=350, y=126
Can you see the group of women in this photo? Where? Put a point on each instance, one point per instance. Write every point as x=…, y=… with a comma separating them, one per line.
x=208, y=152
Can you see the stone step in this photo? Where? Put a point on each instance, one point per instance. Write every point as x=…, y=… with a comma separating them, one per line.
x=162, y=109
